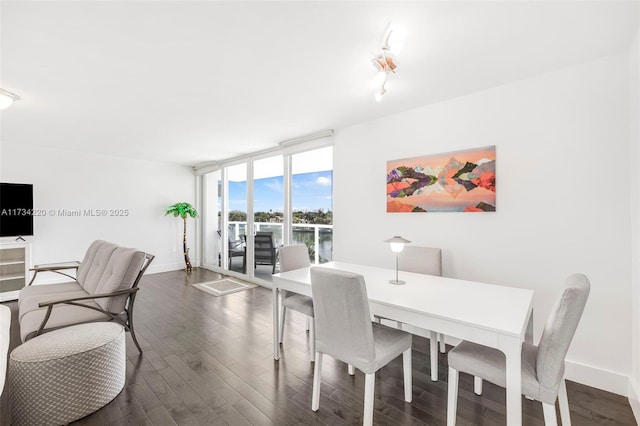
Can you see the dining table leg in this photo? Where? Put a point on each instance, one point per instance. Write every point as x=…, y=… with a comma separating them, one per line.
x=276, y=322
x=512, y=348
x=433, y=349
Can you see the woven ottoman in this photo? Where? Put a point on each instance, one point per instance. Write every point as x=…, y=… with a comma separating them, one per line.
x=66, y=374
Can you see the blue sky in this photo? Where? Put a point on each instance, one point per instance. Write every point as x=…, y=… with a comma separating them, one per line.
x=311, y=191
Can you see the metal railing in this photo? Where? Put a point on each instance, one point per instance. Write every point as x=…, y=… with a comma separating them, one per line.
x=320, y=246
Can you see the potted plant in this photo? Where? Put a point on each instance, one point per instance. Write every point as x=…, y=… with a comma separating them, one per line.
x=183, y=210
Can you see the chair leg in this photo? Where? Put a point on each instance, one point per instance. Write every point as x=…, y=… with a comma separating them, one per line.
x=307, y=326
x=452, y=401
x=549, y=411
x=563, y=401
x=433, y=353
x=312, y=338
x=133, y=336
x=443, y=348
x=406, y=367
x=317, y=372
x=351, y=369
x=283, y=315
x=130, y=325
x=369, y=390
x=477, y=385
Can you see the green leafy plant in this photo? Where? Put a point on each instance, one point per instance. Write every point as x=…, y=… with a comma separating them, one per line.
x=183, y=210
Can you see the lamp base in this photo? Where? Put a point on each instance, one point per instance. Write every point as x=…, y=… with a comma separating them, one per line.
x=397, y=282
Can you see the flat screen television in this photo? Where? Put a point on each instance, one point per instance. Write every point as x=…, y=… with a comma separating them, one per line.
x=16, y=207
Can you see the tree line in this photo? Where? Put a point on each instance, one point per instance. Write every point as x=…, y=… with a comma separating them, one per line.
x=316, y=217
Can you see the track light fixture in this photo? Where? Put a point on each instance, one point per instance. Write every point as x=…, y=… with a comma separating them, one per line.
x=384, y=62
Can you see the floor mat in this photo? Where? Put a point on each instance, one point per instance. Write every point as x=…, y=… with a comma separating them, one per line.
x=223, y=286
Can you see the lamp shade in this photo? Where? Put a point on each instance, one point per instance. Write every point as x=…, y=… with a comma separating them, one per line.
x=397, y=243
x=7, y=98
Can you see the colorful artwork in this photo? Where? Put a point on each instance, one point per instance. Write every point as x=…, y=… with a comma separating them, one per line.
x=459, y=181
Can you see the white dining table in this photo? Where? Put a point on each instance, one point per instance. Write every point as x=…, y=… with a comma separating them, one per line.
x=491, y=315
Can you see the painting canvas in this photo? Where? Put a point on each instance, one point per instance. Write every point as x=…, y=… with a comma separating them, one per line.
x=459, y=181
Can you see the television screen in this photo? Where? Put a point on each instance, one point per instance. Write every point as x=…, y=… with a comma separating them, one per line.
x=16, y=206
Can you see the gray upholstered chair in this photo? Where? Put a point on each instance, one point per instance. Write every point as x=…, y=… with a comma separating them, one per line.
x=344, y=331
x=542, y=365
x=296, y=257
x=424, y=260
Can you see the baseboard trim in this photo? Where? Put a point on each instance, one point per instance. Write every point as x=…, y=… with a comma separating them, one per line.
x=156, y=269
x=609, y=381
x=634, y=399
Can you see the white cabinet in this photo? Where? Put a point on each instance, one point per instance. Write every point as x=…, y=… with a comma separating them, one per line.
x=15, y=261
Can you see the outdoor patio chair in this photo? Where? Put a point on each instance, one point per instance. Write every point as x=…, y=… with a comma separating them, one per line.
x=238, y=248
x=265, y=250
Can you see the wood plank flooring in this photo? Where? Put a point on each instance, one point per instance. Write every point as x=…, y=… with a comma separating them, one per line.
x=208, y=361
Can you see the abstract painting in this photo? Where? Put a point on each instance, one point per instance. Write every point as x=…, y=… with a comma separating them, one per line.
x=459, y=181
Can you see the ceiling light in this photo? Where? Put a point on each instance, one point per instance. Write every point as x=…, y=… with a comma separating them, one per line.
x=380, y=78
x=384, y=61
x=395, y=41
x=7, y=98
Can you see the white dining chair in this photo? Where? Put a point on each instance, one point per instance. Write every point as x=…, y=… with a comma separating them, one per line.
x=542, y=365
x=344, y=331
x=424, y=260
x=295, y=257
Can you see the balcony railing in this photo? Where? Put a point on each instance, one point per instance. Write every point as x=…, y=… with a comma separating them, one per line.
x=319, y=238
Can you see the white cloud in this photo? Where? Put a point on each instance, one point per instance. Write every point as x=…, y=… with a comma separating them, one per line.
x=323, y=181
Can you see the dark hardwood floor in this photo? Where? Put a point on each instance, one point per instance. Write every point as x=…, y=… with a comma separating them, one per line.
x=208, y=361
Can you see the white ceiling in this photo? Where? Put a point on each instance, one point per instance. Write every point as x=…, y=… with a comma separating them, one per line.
x=190, y=82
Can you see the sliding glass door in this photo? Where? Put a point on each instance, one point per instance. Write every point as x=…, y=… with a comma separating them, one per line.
x=254, y=207
x=268, y=216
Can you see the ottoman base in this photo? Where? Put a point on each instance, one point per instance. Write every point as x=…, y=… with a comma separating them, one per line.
x=66, y=374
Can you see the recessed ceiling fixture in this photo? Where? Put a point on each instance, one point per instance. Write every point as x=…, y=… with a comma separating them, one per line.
x=7, y=98
x=384, y=62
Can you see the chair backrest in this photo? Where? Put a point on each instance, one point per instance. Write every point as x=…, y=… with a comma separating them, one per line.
x=559, y=330
x=108, y=268
x=343, y=327
x=264, y=249
x=421, y=260
x=294, y=257
x=236, y=245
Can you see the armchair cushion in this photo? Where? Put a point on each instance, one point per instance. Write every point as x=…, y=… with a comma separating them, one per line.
x=124, y=265
x=40, y=291
x=32, y=303
x=62, y=316
x=107, y=268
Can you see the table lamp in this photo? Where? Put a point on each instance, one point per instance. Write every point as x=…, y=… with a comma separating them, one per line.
x=397, y=244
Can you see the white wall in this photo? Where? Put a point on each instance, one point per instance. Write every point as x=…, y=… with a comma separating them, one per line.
x=563, y=204
x=634, y=73
x=75, y=180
